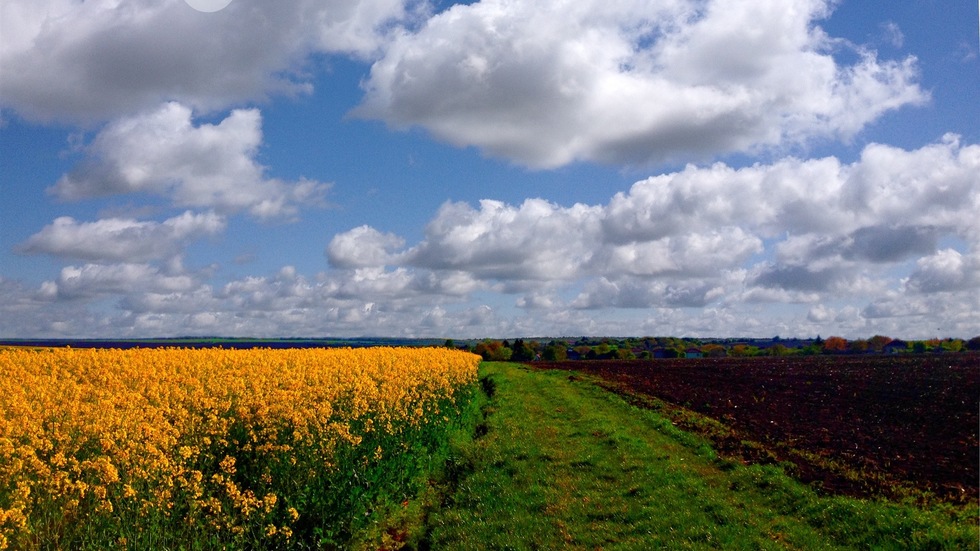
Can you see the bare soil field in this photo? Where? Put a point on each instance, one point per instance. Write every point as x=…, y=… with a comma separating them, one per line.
x=857, y=425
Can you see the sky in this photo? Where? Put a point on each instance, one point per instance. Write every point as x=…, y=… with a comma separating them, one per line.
x=499, y=168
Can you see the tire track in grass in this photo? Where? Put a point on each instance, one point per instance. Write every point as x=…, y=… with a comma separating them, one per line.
x=564, y=464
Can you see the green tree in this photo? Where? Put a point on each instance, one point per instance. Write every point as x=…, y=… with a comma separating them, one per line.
x=522, y=352
x=778, y=350
x=744, y=350
x=493, y=351
x=554, y=353
x=953, y=345
x=625, y=354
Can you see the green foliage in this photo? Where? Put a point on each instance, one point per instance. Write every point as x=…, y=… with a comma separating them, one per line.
x=625, y=354
x=493, y=351
x=554, y=353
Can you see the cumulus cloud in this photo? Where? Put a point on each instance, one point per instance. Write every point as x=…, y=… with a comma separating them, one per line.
x=936, y=185
x=794, y=232
x=537, y=240
x=121, y=239
x=97, y=280
x=162, y=152
x=88, y=61
x=546, y=84
x=605, y=292
x=362, y=247
x=947, y=270
x=679, y=253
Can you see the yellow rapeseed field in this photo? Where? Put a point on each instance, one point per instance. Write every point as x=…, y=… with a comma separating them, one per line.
x=152, y=447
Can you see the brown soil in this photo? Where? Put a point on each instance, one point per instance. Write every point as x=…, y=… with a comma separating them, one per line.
x=858, y=425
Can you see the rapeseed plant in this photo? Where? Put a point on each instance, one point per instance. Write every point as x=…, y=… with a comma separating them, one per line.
x=149, y=447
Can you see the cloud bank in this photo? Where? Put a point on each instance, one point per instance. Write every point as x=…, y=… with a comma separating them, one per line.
x=693, y=251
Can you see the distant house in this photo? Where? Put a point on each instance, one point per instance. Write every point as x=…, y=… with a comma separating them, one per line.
x=692, y=353
x=895, y=347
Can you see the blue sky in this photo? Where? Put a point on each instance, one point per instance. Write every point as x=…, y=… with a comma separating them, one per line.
x=493, y=168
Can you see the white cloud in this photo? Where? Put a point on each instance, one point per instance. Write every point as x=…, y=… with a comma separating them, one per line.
x=699, y=251
x=121, y=239
x=161, y=152
x=625, y=81
x=362, y=247
x=97, y=280
x=820, y=314
x=945, y=271
x=792, y=232
x=684, y=254
x=537, y=241
x=892, y=34
x=88, y=61
x=937, y=185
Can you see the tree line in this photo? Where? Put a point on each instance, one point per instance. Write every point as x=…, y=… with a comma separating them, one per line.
x=606, y=348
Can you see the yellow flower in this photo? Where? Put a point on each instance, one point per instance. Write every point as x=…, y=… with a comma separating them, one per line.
x=79, y=423
x=228, y=465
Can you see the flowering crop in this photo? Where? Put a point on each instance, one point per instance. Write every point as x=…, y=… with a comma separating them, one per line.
x=152, y=448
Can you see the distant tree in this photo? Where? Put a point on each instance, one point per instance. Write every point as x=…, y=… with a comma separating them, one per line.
x=450, y=344
x=522, y=352
x=493, y=351
x=859, y=346
x=625, y=354
x=920, y=347
x=953, y=345
x=714, y=351
x=811, y=349
x=878, y=342
x=973, y=344
x=778, y=350
x=743, y=350
x=604, y=351
x=554, y=353
x=834, y=345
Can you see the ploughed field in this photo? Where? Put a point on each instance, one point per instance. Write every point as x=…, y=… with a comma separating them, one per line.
x=857, y=425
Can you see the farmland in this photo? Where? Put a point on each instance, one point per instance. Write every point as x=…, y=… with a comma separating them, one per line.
x=215, y=449
x=562, y=463
x=383, y=448
x=860, y=425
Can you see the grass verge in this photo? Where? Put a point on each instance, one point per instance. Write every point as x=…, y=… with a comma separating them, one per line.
x=559, y=463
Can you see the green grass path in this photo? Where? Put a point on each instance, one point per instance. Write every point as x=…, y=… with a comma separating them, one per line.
x=562, y=464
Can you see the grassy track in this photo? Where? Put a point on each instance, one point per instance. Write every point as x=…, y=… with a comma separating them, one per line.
x=561, y=464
